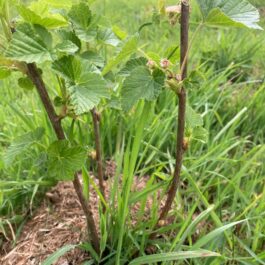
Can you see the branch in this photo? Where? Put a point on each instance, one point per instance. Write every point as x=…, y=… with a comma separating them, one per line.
x=37, y=80
x=96, y=122
x=184, y=46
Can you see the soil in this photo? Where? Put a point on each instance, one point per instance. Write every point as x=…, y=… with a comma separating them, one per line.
x=59, y=221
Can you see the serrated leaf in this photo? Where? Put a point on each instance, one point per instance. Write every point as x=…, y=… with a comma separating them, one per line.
x=41, y=16
x=200, y=134
x=82, y=21
x=21, y=144
x=67, y=46
x=4, y=72
x=70, y=36
x=88, y=92
x=132, y=64
x=64, y=160
x=107, y=36
x=93, y=58
x=25, y=83
x=114, y=103
x=141, y=84
x=128, y=48
x=69, y=67
x=26, y=45
x=154, y=57
x=235, y=13
x=193, y=119
x=44, y=34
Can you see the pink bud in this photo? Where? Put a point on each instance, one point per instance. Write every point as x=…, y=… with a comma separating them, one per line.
x=151, y=64
x=164, y=63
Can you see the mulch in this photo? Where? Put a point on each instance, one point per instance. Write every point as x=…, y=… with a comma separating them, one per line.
x=59, y=221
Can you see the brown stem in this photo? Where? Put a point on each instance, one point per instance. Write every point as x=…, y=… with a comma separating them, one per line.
x=55, y=120
x=96, y=122
x=184, y=40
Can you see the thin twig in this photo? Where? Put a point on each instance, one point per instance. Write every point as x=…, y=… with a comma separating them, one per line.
x=96, y=122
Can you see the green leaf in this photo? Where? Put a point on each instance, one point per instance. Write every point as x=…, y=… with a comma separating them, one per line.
x=4, y=72
x=114, y=103
x=64, y=160
x=69, y=36
x=173, y=256
x=200, y=134
x=132, y=64
x=83, y=22
x=59, y=3
x=25, y=83
x=21, y=144
x=57, y=254
x=139, y=195
x=69, y=67
x=128, y=48
x=107, y=36
x=94, y=58
x=119, y=32
x=27, y=45
x=40, y=15
x=88, y=92
x=44, y=34
x=67, y=46
x=193, y=119
x=214, y=234
x=235, y=13
x=141, y=84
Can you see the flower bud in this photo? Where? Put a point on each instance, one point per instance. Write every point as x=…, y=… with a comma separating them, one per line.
x=151, y=64
x=164, y=63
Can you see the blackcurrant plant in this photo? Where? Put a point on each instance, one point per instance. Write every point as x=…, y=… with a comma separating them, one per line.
x=71, y=41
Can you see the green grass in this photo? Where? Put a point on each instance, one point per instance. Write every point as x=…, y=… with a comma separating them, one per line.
x=227, y=172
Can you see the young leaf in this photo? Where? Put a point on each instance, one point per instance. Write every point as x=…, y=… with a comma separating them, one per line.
x=27, y=45
x=4, y=72
x=64, y=160
x=21, y=144
x=41, y=16
x=235, y=13
x=82, y=21
x=87, y=94
x=200, y=134
x=141, y=84
x=25, y=83
x=59, y=3
x=193, y=119
x=128, y=49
